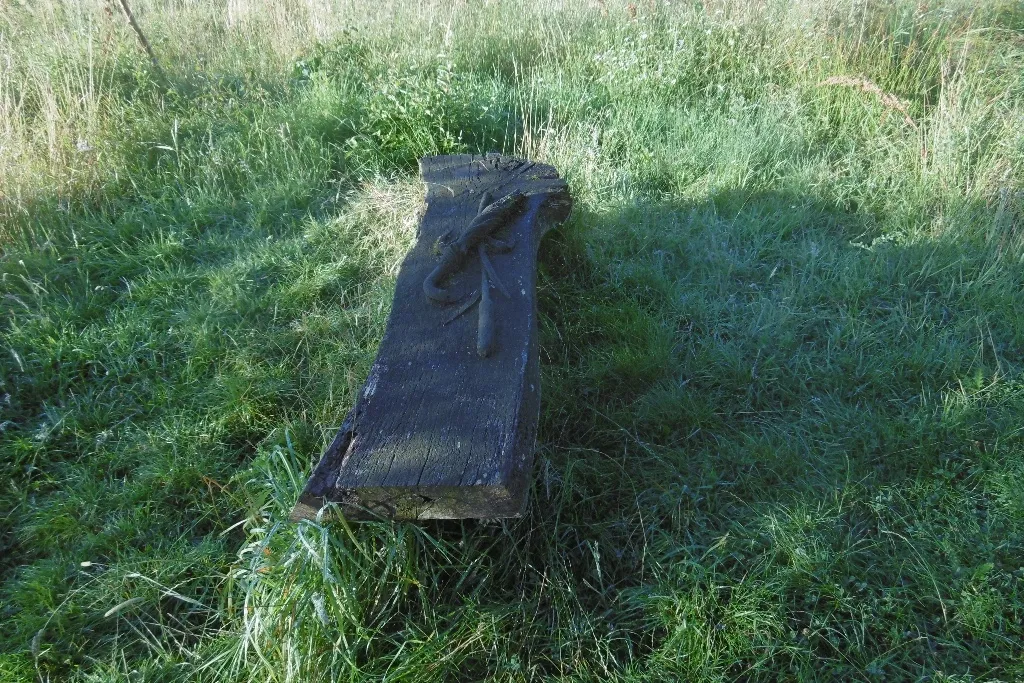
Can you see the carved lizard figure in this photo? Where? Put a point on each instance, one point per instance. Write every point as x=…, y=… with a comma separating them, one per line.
x=478, y=237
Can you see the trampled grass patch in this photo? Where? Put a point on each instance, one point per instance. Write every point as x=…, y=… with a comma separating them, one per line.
x=782, y=340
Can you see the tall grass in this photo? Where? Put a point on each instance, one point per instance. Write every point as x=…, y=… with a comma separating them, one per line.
x=782, y=339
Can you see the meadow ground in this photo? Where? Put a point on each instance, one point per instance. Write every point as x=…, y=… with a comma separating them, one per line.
x=782, y=342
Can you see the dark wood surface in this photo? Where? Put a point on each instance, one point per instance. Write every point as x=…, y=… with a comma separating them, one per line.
x=444, y=426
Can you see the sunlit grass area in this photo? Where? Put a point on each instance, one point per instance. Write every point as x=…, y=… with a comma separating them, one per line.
x=782, y=433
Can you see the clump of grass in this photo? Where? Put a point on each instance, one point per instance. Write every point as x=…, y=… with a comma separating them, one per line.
x=781, y=340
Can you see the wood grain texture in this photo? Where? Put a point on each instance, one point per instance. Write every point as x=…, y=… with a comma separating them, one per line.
x=438, y=431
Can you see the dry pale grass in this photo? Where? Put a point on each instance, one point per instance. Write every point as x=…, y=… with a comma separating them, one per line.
x=888, y=100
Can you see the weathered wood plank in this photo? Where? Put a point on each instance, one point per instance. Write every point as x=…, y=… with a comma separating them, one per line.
x=446, y=423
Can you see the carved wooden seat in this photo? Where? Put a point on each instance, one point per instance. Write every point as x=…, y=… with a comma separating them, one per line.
x=446, y=423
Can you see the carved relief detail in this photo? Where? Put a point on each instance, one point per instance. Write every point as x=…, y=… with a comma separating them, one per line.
x=479, y=238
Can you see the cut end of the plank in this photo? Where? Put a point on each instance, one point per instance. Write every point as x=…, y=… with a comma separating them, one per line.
x=461, y=502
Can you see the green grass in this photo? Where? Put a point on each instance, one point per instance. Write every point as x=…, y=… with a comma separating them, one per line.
x=782, y=434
